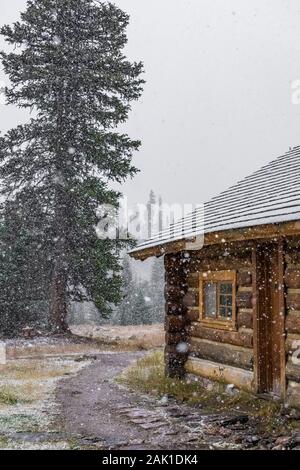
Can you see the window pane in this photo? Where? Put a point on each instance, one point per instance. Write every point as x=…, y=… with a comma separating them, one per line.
x=222, y=312
x=225, y=300
x=226, y=288
x=223, y=288
x=210, y=299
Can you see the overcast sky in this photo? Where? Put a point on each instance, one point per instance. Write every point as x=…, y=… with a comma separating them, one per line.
x=217, y=104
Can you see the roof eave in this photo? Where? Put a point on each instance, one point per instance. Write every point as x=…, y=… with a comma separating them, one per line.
x=266, y=231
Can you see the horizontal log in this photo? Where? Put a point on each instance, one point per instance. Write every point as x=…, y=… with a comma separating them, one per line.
x=293, y=369
x=171, y=262
x=191, y=298
x=293, y=242
x=244, y=278
x=292, y=278
x=176, y=338
x=293, y=394
x=292, y=342
x=244, y=299
x=219, y=264
x=222, y=336
x=173, y=293
x=175, y=283
x=174, y=364
x=293, y=321
x=292, y=256
x=174, y=323
x=192, y=315
x=293, y=300
x=175, y=308
x=193, y=280
x=245, y=318
x=241, y=378
x=216, y=250
x=181, y=349
x=222, y=353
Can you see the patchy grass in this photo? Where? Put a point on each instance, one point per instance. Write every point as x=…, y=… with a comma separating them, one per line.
x=19, y=423
x=48, y=350
x=88, y=340
x=148, y=376
x=3, y=442
x=33, y=370
x=124, y=338
x=8, y=396
x=27, y=398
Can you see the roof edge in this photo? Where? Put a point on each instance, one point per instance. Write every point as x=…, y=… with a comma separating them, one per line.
x=261, y=231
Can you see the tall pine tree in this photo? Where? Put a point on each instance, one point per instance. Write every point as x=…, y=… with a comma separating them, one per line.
x=68, y=67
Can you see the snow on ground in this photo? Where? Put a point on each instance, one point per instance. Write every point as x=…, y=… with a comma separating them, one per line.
x=27, y=401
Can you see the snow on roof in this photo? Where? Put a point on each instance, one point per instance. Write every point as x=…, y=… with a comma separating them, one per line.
x=270, y=195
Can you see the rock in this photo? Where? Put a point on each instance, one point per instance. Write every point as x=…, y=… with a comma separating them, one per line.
x=230, y=389
x=294, y=414
x=151, y=426
x=238, y=439
x=279, y=447
x=252, y=439
x=282, y=440
x=288, y=442
x=224, y=432
x=137, y=442
x=164, y=401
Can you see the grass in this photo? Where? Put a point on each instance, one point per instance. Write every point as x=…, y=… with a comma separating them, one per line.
x=26, y=381
x=27, y=388
x=148, y=376
x=124, y=338
x=8, y=396
x=22, y=393
x=18, y=352
x=19, y=423
x=34, y=370
x=3, y=442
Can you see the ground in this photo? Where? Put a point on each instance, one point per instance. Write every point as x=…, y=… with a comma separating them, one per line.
x=87, y=394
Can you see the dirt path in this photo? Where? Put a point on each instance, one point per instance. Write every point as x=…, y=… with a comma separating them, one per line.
x=95, y=407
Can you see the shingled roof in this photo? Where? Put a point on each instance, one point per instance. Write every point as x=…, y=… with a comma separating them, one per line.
x=270, y=195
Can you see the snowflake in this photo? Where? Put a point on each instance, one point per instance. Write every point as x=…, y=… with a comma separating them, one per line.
x=56, y=41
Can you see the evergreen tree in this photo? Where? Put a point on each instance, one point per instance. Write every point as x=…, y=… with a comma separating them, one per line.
x=125, y=309
x=150, y=212
x=135, y=308
x=141, y=306
x=157, y=283
x=68, y=67
x=23, y=289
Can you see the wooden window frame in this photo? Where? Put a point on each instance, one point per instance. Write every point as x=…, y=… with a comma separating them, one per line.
x=217, y=277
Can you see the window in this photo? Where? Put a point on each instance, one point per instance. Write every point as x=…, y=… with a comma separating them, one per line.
x=217, y=299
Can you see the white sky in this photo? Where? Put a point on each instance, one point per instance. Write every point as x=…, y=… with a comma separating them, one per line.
x=217, y=104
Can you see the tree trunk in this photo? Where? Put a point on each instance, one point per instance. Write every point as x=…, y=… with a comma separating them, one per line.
x=58, y=311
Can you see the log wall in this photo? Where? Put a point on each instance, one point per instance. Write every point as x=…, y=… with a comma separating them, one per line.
x=223, y=354
x=186, y=337
x=176, y=290
x=292, y=291
x=232, y=349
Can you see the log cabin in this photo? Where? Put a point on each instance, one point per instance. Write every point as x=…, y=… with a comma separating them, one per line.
x=233, y=304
